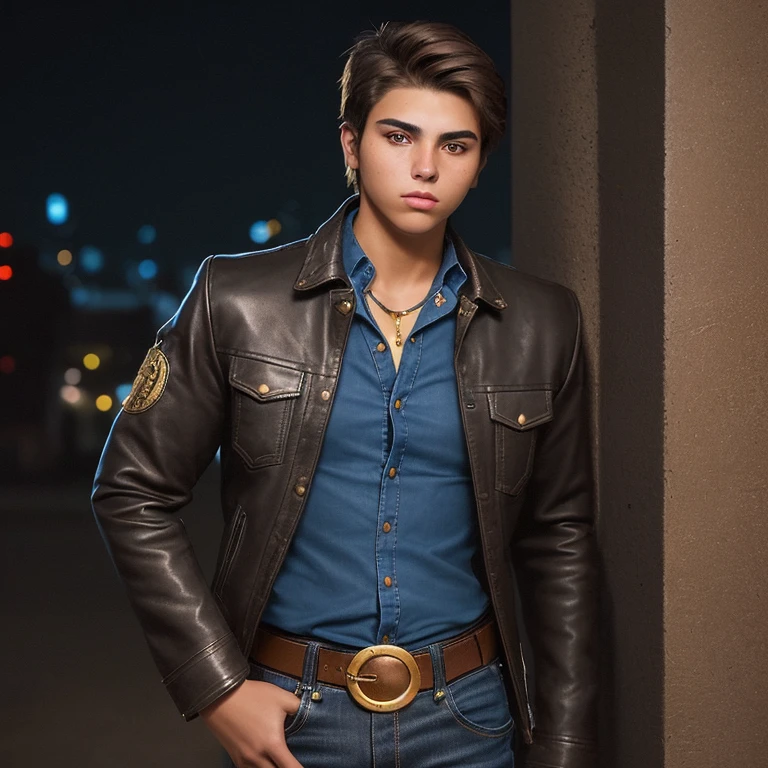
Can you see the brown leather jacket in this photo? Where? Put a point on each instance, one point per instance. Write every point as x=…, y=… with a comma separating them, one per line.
x=250, y=362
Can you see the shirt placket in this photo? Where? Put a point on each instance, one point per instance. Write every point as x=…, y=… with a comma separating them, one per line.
x=396, y=386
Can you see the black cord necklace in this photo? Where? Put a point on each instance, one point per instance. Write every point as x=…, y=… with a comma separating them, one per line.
x=397, y=316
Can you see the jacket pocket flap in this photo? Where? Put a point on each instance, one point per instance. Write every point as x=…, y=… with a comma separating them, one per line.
x=521, y=410
x=265, y=381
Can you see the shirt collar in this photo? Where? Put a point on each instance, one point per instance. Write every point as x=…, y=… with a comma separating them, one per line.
x=358, y=266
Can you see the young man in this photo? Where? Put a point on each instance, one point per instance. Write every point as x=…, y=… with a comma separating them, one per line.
x=403, y=437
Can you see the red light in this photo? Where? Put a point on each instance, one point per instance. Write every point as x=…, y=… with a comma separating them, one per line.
x=6, y=273
x=7, y=364
x=6, y=241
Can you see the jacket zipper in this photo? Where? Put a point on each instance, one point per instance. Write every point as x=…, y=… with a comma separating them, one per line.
x=234, y=539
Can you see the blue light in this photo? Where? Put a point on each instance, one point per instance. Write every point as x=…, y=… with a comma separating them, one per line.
x=122, y=392
x=57, y=208
x=260, y=232
x=147, y=269
x=78, y=296
x=146, y=234
x=91, y=259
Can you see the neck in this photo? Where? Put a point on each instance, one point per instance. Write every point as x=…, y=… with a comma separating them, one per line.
x=405, y=264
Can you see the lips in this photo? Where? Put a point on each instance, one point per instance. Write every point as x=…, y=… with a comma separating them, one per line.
x=423, y=195
x=422, y=201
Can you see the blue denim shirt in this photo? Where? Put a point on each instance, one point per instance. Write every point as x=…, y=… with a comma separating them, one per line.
x=382, y=556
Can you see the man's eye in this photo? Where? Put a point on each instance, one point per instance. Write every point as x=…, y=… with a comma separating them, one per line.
x=454, y=149
x=398, y=138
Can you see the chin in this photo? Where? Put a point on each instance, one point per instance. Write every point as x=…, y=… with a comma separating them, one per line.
x=417, y=222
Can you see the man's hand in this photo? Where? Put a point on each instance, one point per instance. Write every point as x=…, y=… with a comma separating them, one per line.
x=250, y=724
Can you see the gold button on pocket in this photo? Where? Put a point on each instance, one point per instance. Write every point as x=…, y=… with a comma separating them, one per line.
x=392, y=472
x=263, y=397
x=516, y=416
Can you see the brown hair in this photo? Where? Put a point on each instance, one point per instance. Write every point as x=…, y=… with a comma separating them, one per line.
x=421, y=54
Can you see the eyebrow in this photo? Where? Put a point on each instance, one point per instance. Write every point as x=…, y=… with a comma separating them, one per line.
x=416, y=131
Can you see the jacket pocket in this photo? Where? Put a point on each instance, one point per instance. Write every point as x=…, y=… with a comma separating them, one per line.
x=262, y=405
x=231, y=547
x=516, y=416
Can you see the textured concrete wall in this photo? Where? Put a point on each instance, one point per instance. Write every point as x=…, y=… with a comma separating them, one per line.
x=716, y=384
x=640, y=179
x=589, y=214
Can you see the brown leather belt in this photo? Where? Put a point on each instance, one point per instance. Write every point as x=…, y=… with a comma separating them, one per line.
x=380, y=677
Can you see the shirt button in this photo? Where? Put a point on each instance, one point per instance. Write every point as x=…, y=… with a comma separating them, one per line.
x=386, y=527
x=392, y=472
x=385, y=639
x=387, y=581
x=413, y=339
x=397, y=404
x=381, y=346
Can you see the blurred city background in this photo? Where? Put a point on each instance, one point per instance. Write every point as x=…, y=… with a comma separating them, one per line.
x=136, y=139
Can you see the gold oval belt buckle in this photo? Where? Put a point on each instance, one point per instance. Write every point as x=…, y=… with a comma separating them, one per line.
x=357, y=676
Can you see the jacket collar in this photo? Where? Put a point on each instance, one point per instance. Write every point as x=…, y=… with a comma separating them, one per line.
x=324, y=263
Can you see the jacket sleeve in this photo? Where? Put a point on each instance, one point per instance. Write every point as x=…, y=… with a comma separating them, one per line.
x=556, y=566
x=161, y=442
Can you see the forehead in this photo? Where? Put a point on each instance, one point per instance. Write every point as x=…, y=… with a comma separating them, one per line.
x=430, y=110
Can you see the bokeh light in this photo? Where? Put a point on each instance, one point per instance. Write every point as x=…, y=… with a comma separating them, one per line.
x=70, y=394
x=64, y=257
x=275, y=227
x=122, y=391
x=73, y=376
x=78, y=296
x=57, y=208
x=91, y=259
x=6, y=273
x=146, y=234
x=260, y=232
x=147, y=269
x=104, y=402
x=7, y=364
x=91, y=361
x=6, y=240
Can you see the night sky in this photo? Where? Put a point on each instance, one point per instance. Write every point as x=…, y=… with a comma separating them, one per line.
x=197, y=118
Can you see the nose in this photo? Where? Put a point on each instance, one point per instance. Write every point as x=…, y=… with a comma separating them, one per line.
x=424, y=166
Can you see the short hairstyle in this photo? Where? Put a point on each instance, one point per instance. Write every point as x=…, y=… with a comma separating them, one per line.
x=421, y=54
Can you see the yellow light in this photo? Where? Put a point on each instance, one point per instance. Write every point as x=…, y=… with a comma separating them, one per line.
x=64, y=257
x=91, y=361
x=274, y=227
x=103, y=402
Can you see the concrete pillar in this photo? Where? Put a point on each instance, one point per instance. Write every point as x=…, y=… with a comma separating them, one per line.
x=640, y=178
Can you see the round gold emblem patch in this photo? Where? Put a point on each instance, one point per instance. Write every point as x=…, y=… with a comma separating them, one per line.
x=149, y=384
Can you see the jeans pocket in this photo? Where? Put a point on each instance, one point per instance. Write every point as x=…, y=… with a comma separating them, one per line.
x=478, y=701
x=293, y=723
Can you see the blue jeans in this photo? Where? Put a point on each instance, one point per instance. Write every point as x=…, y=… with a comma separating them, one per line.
x=470, y=726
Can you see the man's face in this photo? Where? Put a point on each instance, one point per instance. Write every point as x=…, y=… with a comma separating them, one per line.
x=418, y=157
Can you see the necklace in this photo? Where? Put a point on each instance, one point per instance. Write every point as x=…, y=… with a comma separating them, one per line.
x=397, y=316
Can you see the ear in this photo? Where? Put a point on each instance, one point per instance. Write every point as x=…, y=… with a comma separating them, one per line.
x=349, y=146
x=477, y=175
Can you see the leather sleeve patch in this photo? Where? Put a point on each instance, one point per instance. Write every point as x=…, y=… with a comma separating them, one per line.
x=149, y=385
